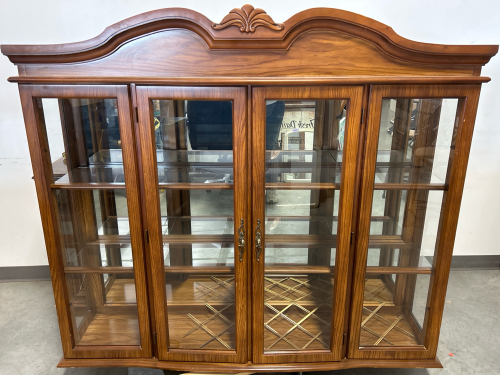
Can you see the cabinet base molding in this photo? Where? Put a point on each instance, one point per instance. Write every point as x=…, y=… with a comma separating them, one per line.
x=234, y=367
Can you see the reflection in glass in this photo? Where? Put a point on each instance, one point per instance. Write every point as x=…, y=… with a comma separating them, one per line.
x=304, y=143
x=84, y=139
x=194, y=141
x=415, y=149
x=194, y=152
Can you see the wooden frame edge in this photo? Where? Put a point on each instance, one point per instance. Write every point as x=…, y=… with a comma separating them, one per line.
x=43, y=177
x=225, y=367
x=244, y=81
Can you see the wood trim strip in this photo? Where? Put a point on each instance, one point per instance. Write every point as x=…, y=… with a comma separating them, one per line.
x=382, y=348
x=86, y=348
x=398, y=270
x=112, y=270
x=240, y=81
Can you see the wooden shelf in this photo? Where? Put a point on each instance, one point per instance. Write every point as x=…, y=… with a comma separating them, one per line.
x=284, y=269
x=275, y=239
x=116, y=329
x=229, y=186
x=408, y=186
x=330, y=240
x=335, y=186
x=375, y=270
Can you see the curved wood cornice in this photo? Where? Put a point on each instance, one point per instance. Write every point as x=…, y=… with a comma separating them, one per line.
x=232, y=37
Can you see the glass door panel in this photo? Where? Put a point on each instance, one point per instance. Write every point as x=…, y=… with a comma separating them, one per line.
x=412, y=141
x=303, y=169
x=195, y=146
x=194, y=156
x=94, y=193
x=303, y=205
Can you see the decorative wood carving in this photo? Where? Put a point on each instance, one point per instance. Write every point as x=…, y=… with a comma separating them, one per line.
x=248, y=19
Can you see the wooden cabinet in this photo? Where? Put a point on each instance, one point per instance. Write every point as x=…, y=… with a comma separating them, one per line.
x=249, y=195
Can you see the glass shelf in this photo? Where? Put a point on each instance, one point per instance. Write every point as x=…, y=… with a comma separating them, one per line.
x=100, y=257
x=94, y=177
x=198, y=225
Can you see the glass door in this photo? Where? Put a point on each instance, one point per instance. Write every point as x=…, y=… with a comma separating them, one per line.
x=195, y=165
x=418, y=142
x=85, y=168
x=304, y=159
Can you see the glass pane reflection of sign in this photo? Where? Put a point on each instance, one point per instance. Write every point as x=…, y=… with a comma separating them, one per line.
x=304, y=143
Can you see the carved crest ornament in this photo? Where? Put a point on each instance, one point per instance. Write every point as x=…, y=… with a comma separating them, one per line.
x=248, y=19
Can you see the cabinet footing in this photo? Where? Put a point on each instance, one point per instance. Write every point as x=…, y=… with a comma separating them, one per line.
x=242, y=367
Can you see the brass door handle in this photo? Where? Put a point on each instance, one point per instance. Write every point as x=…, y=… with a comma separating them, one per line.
x=241, y=240
x=258, y=241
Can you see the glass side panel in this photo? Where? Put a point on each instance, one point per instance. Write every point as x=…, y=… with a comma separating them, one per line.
x=384, y=322
x=98, y=266
x=90, y=195
x=304, y=143
x=194, y=152
x=415, y=150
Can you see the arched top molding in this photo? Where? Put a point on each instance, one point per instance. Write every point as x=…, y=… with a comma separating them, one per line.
x=249, y=28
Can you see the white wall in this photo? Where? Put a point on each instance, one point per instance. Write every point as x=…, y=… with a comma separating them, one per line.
x=63, y=21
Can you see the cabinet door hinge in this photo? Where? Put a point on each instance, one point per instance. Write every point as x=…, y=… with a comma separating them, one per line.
x=146, y=235
x=136, y=113
x=344, y=339
x=362, y=116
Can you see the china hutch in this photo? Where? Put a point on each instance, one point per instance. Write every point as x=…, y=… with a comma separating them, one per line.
x=249, y=195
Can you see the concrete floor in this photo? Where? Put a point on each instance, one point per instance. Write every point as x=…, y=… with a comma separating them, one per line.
x=30, y=343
